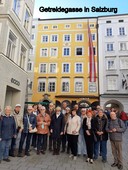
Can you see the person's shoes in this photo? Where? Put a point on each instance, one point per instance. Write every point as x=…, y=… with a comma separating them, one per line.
x=78, y=155
x=68, y=151
x=38, y=152
x=62, y=151
x=74, y=158
x=84, y=155
x=7, y=160
x=91, y=161
x=50, y=149
x=114, y=165
x=120, y=167
x=104, y=160
x=27, y=154
x=42, y=152
x=12, y=155
x=87, y=160
x=19, y=155
x=70, y=156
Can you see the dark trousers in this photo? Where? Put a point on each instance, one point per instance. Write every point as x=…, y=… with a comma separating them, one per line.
x=72, y=141
x=64, y=140
x=103, y=145
x=13, y=144
x=34, y=140
x=89, y=145
x=42, y=142
x=24, y=136
x=56, y=144
x=50, y=142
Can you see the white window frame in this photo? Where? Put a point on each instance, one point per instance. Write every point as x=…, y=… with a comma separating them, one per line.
x=30, y=70
x=76, y=51
x=109, y=32
x=54, y=26
x=79, y=34
x=125, y=46
x=17, y=7
x=33, y=34
x=52, y=38
x=64, y=37
x=108, y=47
x=27, y=23
x=41, y=52
x=50, y=68
x=80, y=25
x=45, y=27
x=56, y=51
x=93, y=35
x=52, y=80
x=63, y=68
x=69, y=52
x=123, y=67
x=78, y=80
x=108, y=83
x=45, y=69
x=122, y=32
x=76, y=67
x=23, y=56
x=42, y=38
x=67, y=26
x=107, y=64
x=41, y=80
x=65, y=80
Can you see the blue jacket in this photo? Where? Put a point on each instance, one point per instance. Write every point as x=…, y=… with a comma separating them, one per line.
x=7, y=127
x=32, y=120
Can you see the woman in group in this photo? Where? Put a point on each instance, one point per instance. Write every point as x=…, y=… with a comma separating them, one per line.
x=73, y=127
x=88, y=135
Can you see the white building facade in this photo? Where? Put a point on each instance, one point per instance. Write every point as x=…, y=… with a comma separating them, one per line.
x=15, y=36
x=113, y=61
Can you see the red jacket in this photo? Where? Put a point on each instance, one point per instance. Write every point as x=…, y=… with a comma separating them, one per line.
x=123, y=116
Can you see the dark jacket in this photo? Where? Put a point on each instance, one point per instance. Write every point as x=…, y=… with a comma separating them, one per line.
x=32, y=120
x=100, y=124
x=57, y=125
x=7, y=127
x=85, y=127
x=119, y=125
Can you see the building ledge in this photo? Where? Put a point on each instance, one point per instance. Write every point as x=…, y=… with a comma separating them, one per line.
x=77, y=96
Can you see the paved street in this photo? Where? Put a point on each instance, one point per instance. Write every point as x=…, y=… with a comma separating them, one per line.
x=63, y=162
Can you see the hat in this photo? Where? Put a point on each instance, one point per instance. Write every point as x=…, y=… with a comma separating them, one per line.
x=18, y=105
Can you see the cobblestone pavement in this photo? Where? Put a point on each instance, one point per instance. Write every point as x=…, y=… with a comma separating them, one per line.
x=63, y=162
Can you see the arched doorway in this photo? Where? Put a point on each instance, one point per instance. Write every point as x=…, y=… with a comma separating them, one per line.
x=84, y=103
x=114, y=104
x=94, y=105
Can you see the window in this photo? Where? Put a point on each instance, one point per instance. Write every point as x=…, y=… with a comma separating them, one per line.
x=32, y=51
x=123, y=46
x=78, y=87
x=79, y=25
x=54, y=52
x=11, y=46
x=33, y=26
x=44, y=38
x=66, y=68
x=23, y=57
x=108, y=21
x=53, y=68
x=67, y=26
x=112, y=83
x=79, y=67
x=54, y=27
x=79, y=37
x=121, y=31
x=124, y=63
x=67, y=38
x=79, y=51
x=121, y=20
x=94, y=50
x=30, y=66
x=51, y=86
x=45, y=27
x=41, y=85
x=93, y=37
x=109, y=32
x=33, y=36
x=110, y=47
x=27, y=20
x=65, y=86
x=16, y=7
x=44, y=52
x=66, y=51
x=92, y=87
x=91, y=25
x=110, y=64
x=54, y=38
x=43, y=68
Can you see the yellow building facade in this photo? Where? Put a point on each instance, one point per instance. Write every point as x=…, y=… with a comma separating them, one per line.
x=61, y=71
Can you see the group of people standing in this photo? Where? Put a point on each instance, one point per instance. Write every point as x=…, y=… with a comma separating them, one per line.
x=80, y=131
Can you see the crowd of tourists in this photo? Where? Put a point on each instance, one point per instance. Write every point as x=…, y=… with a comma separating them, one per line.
x=76, y=131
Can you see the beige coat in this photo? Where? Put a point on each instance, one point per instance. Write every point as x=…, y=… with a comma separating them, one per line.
x=73, y=124
x=18, y=119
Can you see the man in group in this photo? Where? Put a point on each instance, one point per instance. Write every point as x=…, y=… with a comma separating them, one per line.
x=116, y=127
x=29, y=123
x=19, y=126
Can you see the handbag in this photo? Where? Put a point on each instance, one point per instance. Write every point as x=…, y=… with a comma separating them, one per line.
x=33, y=130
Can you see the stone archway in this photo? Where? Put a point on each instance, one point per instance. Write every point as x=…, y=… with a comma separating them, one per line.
x=114, y=104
